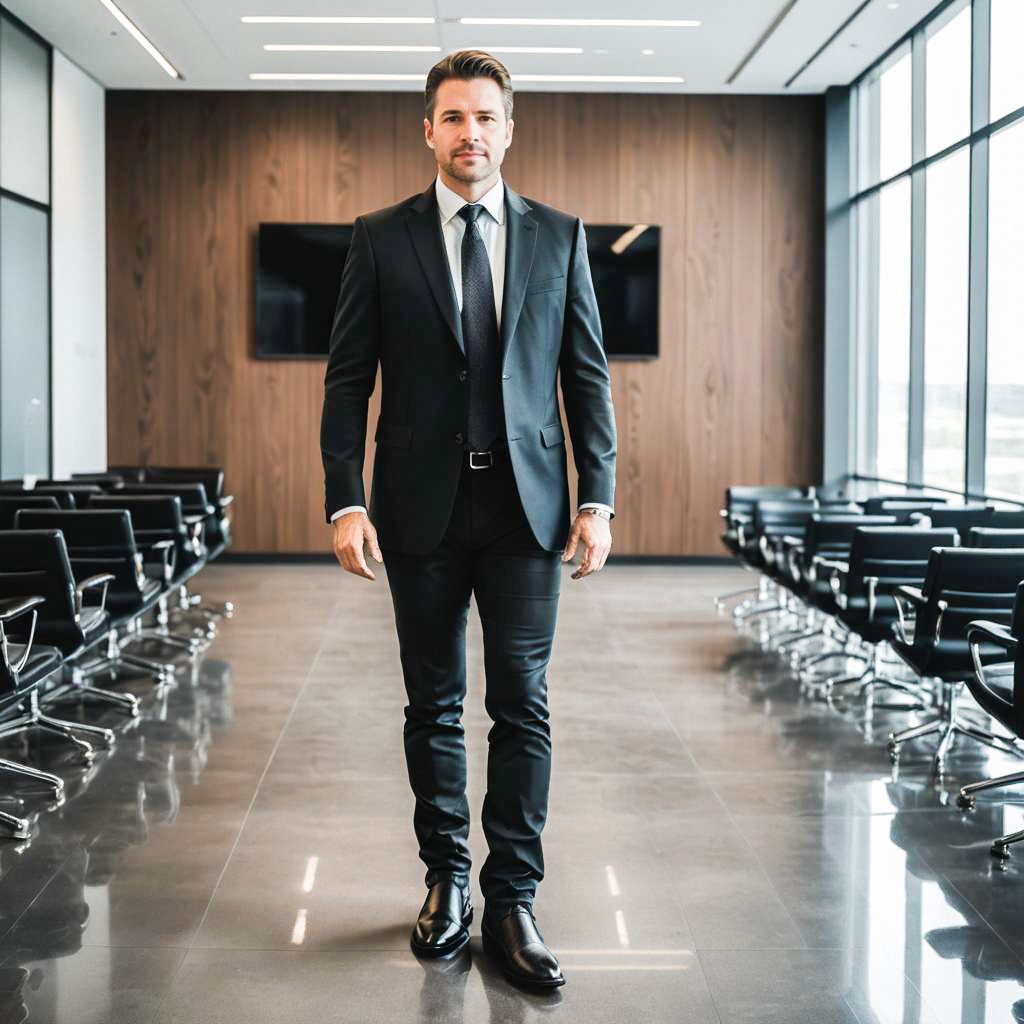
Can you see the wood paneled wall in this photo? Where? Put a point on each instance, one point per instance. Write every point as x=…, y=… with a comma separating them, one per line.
x=736, y=182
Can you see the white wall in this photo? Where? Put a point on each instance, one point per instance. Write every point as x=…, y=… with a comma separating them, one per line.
x=78, y=267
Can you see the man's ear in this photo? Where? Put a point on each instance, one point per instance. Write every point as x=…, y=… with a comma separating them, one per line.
x=428, y=132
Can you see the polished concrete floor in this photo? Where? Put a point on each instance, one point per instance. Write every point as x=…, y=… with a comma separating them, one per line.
x=717, y=848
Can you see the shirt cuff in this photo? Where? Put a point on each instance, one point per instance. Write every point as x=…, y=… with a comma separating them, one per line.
x=346, y=510
x=596, y=504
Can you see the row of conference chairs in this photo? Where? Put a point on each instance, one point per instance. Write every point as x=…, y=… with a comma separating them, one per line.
x=925, y=594
x=95, y=575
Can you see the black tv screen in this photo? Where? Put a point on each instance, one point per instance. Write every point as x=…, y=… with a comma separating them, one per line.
x=299, y=267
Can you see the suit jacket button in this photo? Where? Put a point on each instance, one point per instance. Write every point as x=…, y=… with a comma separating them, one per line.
x=459, y=439
x=463, y=375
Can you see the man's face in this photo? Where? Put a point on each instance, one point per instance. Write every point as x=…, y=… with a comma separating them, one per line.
x=470, y=132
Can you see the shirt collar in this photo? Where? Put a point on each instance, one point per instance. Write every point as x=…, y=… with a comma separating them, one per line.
x=450, y=202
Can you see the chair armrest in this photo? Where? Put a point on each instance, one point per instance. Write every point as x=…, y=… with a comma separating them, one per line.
x=228, y=499
x=980, y=631
x=908, y=601
x=101, y=579
x=993, y=632
x=912, y=594
x=12, y=608
x=168, y=558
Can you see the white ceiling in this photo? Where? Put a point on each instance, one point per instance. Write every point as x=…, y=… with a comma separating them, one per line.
x=213, y=49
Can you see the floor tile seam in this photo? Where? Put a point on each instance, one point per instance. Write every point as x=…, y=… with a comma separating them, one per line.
x=907, y=978
x=707, y=985
x=259, y=783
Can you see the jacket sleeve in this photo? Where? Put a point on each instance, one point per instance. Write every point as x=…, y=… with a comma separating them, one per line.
x=586, y=384
x=350, y=376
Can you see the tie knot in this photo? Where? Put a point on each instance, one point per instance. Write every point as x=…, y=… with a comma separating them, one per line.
x=470, y=212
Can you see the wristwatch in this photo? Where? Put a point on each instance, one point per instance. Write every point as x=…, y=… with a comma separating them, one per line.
x=598, y=512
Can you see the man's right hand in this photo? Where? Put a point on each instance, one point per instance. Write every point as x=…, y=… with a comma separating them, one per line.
x=351, y=531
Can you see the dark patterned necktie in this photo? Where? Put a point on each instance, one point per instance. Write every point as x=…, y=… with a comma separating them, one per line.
x=480, y=333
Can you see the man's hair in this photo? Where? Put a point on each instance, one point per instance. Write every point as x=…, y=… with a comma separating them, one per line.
x=467, y=64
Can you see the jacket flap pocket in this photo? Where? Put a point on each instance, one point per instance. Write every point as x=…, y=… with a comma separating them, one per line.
x=552, y=434
x=545, y=284
x=394, y=434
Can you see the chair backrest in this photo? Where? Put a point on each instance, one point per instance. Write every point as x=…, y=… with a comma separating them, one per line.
x=773, y=518
x=882, y=503
x=975, y=583
x=894, y=555
x=212, y=478
x=962, y=518
x=151, y=513
x=740, y=500
x=63, y=498
x=987, y=537
x=37, y=562
x=97, y=541
x=1006, y=519
x=8, y=506
x=832, y=533
x=193, y=496
x=130, y=474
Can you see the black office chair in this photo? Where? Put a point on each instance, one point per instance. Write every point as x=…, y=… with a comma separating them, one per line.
x=961, y=585
x=24, y=668
x=218, y=523
x=963, y=518
x=991, y=537
x=882, y=558
x=1007, y=519
x=999, y=689
x=8, y=506
x=881, y=504
x=104, y=541
x=36, y=562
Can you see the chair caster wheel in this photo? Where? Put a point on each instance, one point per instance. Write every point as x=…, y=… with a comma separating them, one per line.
x=1001, y=851
x=965, y=802
x=893, y=749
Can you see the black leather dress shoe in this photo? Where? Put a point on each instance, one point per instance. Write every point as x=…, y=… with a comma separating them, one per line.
x=516, y=945
x=442, y=928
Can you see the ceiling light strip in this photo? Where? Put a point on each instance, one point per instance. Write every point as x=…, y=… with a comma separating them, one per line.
x=141, y=39
x=347, y=48
x=825, y=45
x=587, y=22
x=752, y=52
x=332, y=76
x=331, y=20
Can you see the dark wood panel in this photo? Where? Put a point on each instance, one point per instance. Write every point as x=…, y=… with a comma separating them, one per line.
x=734, y=181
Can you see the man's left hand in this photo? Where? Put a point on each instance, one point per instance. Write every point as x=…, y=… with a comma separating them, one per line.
x=596, y=534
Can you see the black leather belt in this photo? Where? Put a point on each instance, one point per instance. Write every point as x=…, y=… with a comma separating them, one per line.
x=485, y=459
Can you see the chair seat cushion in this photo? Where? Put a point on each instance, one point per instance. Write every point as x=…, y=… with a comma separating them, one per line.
x=995, y=695
x=41, y=662
x=94, y=623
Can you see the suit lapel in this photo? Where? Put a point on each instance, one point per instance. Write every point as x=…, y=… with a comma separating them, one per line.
x=520, y=242
x=425, y=228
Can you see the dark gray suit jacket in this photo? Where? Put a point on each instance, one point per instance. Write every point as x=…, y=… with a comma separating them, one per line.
x=397, y=306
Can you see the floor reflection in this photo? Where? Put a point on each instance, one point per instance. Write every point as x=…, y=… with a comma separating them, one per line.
x=57, y=883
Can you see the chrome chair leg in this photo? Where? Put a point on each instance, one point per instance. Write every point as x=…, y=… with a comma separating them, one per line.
x=19, y=827
x=86, y=750
x=55, y=782
x=965, y=799
x=1001, y=847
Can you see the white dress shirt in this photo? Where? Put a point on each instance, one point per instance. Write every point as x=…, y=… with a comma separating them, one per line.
x=492, y=230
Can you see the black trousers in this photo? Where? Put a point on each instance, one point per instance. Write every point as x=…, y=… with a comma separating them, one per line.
x=489, y=551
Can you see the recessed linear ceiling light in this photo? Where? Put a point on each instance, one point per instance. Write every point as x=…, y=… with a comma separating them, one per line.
x=141, y=39
x=528, y=49
x=340, y=76
x=331, y=47
x=599, y=22
x=285, y=19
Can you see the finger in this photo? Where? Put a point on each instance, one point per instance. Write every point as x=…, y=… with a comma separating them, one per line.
x=357, y=563
x=570, y=549
x=374, y=547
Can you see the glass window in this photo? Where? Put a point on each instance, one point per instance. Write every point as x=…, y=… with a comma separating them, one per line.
x=24, y=114
x=948, y=73
x=1007, y=69
x=884, y=125
x=1004, y=445
x=24, y=341
x=947, y=244
x=885, y=272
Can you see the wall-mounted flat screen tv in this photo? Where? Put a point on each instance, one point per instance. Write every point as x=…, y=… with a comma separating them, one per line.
x=298, y=272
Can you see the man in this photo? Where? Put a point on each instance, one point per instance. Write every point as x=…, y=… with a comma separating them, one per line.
x=471, y=299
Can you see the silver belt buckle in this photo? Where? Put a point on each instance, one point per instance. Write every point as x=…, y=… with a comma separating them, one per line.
x=484, y=465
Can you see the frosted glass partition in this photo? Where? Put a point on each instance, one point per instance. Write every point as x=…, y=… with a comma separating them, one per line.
x=24, y=341
x=24, y=114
